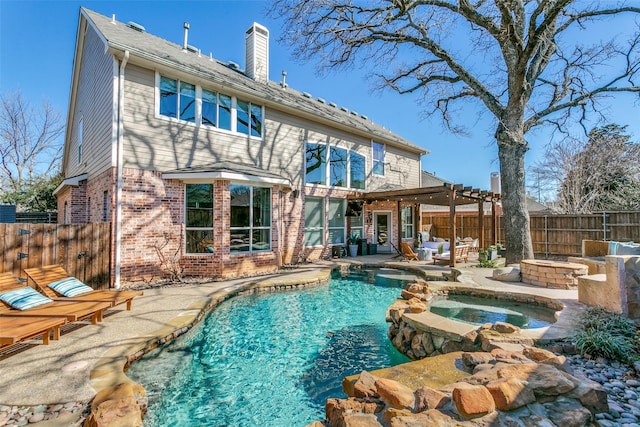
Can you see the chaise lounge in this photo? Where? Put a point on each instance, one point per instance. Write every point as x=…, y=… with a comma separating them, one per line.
x=461, y=253
x=12, y=290
x=57, y=284
x=15, y=329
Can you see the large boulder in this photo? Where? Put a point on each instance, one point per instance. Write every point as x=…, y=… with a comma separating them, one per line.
x=507, y=274
x=429, y=398
x=543, y=380
x=395, y=393
x=510, y=393
x=365, y=386
x=473, y=401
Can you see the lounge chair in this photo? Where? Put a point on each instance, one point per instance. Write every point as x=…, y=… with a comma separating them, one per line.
x=72, y=311
x=461, y=253
x=407, y=252
x=15, y=329
x=45, y=278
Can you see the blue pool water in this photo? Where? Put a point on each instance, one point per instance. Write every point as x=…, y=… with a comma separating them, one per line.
x=272, y=359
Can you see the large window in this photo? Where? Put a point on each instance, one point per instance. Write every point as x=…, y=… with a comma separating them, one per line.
x=337, y=221
x=338, y=167
x=316, y=164
x=179, y=100
x=358, y=175
x=407, y=221
x=250, y=218
x=356, y=226
x=199, y=218
x=313, y=221
x=378, y=159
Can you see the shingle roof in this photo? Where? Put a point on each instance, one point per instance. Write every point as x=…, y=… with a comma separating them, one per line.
x=119, y=36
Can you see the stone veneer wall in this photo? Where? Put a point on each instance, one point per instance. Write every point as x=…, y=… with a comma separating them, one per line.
x=632, y=285
x=552, y=274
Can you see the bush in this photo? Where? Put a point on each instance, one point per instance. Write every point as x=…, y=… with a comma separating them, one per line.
x=607, y=334
x=487, y=263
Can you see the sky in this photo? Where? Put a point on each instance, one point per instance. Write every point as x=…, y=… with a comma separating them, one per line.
x=37, y=40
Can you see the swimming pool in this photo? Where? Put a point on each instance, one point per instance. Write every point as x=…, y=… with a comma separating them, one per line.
x=273, y=359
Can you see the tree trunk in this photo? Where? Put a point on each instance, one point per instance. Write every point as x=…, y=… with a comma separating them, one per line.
x=511, y=150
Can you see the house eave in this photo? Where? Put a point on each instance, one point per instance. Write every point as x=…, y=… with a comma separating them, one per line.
x=207, y=177
x=74, y=181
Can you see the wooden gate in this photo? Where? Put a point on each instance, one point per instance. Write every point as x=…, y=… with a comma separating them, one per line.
x=84, y=250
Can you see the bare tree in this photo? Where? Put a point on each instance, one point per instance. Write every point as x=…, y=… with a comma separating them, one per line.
x=31, y=145
x=600, y=174
x=516, y=58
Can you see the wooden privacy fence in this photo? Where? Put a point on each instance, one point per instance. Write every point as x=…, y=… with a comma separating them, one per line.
x=553, y=236
x=84, y=250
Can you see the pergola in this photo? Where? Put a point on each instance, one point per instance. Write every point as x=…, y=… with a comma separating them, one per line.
x=451, y=195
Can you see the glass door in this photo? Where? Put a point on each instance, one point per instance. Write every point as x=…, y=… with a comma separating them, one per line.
x=382, y=230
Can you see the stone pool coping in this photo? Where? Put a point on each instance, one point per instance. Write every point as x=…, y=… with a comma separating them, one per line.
x=94, y=357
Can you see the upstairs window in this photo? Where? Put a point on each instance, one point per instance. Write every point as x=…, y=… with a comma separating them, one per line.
x=216, y=110
x=378, y=159
x=316, y=164
x=169, y=97
x=338, y=167
x=187, y=102
x=357, y=171
x=249, y=118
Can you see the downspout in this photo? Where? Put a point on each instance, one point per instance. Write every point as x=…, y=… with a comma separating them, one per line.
x=118, y=224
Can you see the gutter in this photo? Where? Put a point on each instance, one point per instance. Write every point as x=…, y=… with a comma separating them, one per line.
x=119, y=167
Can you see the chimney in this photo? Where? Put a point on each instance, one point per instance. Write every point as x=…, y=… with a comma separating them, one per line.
x=257, y=53
x=495, y=183
x=185, y=41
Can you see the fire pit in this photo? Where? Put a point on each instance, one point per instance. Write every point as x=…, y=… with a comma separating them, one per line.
x=552, y=274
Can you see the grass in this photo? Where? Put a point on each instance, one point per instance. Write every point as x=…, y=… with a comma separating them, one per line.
x=606, y=334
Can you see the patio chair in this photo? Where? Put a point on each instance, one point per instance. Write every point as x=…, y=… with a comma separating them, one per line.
x=30, y=303
x=54, y=282
x=15, y=329
x=461, y=253
x=408, y=253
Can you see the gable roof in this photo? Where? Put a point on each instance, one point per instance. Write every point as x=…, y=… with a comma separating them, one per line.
x=152, y=50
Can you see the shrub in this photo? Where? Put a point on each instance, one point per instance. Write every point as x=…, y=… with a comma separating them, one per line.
x=607, y=334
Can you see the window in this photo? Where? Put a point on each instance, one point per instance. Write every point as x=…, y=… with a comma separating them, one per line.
x=178, y=100
x=105, y=206
x=337, y=221
x=80, y=126
x=250, y=218
x=313, y=221
x=407, y=221
x=358, y=176
x=248, y=118
x=199, y=218
x=168, y=97
x=187, y=102
x=378, y=159
x=338, y=167
x=316, y=162
x=216, y=109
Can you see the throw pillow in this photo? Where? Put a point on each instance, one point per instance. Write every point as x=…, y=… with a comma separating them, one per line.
x=24, y=298
x=627, y=249
x=70, y=287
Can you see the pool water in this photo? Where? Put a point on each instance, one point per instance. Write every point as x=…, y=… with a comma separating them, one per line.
x=478, y=311
x=272, y=359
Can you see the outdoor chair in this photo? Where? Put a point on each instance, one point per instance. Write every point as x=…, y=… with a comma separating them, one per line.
x=27, y=302
x=16, y=329
x=461, y=253
x=54, y=282
x=408, y=253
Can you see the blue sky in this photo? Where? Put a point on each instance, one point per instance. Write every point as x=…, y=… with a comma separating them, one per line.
x=36, y=54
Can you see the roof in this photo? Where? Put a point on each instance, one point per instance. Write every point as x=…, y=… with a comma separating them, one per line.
x=119, y=37
x=226, y=170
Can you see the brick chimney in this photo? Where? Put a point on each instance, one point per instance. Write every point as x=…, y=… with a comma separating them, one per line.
x=257, y=53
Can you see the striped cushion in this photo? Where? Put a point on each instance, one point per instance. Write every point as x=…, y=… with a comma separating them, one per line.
x=70, y=287
x=24, y=298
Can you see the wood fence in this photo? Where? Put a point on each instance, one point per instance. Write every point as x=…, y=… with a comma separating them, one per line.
x=553, y=236
x=84, y=250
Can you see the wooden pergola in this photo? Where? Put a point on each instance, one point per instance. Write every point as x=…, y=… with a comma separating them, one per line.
x=451, y=195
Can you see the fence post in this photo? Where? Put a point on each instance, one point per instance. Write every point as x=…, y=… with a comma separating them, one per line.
x=604, y=224
x=546, y=237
